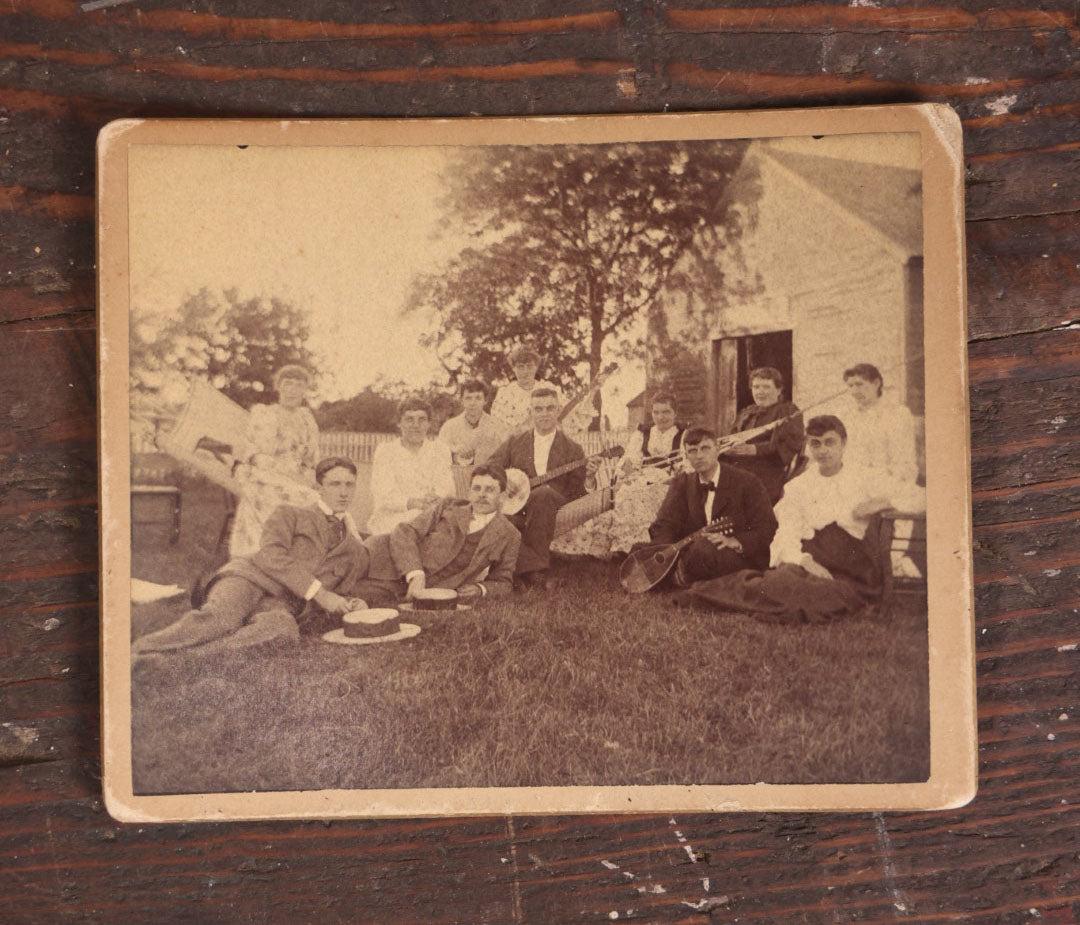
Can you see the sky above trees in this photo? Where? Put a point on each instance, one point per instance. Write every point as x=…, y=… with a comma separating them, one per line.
x=422, y=264
x=335, y=234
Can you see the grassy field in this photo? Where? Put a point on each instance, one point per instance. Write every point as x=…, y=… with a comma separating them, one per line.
x=580, y=686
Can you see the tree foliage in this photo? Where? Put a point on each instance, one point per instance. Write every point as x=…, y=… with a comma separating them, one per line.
x=233, y=343
x=375, y=408
x=569, y=246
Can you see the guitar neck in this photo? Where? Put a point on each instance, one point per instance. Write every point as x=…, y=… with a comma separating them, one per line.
x=723, y=524
x=555, y=473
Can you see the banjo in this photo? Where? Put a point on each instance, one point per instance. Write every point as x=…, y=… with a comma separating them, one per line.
x=646, y=568
x=519, y=485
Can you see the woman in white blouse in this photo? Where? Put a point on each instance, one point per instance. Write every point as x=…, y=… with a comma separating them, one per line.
x=409, y=473
x=881, y=433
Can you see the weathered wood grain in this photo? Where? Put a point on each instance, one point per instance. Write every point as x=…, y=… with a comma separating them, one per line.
x=1012, y=74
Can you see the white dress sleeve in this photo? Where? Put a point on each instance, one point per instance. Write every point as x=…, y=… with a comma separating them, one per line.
x=387, y=494
x=442, y=473
x=902, y=462
x=502, y=408
x=791, y=518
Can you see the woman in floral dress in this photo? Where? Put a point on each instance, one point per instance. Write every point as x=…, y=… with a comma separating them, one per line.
x=278, y=456
x=650, y=461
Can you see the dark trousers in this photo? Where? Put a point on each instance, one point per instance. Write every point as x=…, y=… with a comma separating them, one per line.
x=701, y=561
x=536, y=523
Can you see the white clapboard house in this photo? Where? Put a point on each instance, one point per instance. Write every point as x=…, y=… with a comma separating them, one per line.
x=828, y=274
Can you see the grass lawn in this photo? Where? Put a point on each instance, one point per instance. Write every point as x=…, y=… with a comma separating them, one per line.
x=585, y=685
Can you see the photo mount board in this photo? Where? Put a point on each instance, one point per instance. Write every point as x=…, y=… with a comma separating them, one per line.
x=953, y=742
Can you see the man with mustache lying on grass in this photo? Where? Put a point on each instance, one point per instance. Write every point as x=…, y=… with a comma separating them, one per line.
x=469, y=546
x=312, y=567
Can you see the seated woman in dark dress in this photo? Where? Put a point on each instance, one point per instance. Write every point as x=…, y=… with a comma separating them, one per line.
x=768, y=455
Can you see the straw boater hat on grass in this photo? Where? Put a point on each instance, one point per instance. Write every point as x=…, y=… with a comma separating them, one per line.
x=368, y=627
x=434, y=599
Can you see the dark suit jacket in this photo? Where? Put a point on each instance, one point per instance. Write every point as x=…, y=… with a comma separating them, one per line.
x=517, y=453
x=432, y=539
x=739, y=495
x=296, y=550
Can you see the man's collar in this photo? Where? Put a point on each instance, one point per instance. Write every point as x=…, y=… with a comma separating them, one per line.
x=482, y=519
x=714, y=476
x=325, y=508
x=550, y=436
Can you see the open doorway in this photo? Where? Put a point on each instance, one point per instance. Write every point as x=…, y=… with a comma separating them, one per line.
x=734, y=357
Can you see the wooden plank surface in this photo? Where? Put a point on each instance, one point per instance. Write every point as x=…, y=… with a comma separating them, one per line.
x=1010, y=71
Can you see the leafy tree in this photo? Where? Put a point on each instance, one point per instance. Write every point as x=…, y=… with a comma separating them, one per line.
x=369, y=411
x=569, y=246
x=375, y=409
x=235, y=344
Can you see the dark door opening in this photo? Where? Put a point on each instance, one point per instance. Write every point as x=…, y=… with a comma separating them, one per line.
x=734, y=357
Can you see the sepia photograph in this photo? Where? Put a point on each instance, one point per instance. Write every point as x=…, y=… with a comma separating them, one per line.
x=609, y=460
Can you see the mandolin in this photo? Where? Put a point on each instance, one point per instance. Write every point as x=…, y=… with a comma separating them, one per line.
x=645, y=568
x=519, y=485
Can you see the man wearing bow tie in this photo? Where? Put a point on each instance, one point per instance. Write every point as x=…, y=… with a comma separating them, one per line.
x=714, y=490
x=306, y=553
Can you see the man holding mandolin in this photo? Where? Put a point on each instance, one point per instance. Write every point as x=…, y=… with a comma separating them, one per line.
x=714, y=493
x=558, y=472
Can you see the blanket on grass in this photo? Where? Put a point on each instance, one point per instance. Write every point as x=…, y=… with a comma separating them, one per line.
x=790, y=594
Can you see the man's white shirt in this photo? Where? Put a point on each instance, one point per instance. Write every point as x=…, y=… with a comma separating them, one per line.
x=542, y=450
x=399, y=473
x=710, y=495
x=479, y=521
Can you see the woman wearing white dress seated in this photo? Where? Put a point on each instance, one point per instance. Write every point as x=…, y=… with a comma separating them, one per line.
x=881, y=432
x=277, y=459
x=881, y=439
x=409, y=473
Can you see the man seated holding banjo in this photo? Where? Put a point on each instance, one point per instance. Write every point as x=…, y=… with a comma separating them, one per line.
x=539, y=453
x=719, y=492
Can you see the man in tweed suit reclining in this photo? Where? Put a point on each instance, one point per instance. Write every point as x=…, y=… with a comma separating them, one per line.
x=306, y=555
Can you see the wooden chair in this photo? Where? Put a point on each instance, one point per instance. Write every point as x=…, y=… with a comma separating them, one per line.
x=912, y=546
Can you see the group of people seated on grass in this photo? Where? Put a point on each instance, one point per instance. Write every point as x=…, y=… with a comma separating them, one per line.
x=794, y=541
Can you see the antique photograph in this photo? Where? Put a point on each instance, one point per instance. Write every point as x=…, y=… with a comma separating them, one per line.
x=592, y=461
